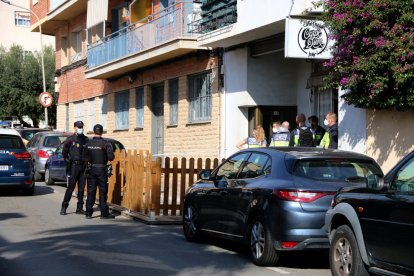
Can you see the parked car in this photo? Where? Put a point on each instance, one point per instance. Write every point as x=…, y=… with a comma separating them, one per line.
x=28, y=133
x=43, y=145
x=371, y=229
x=55, y=169
x=16, y=167
x=273, y=199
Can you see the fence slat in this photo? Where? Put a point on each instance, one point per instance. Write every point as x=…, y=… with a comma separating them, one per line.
x=174, y=187
x=166, y=186
x=156, y=184
x=191, y=172
x=183, y=181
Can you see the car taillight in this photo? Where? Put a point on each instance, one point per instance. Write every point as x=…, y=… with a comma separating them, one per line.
x=289, y=244
x=42, y=154
x=300, y=196
x=22, y=155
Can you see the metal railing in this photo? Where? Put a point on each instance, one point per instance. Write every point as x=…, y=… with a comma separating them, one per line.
x=149, y=32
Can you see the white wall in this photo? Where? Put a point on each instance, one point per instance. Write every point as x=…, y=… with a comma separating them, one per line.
x=352, y=125
x=11, y=34
x=268, y=80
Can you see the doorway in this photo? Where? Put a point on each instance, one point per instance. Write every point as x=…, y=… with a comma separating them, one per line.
x=157, y=122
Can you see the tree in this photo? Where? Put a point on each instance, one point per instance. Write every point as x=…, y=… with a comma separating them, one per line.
x=21, y=83
x=374, y=51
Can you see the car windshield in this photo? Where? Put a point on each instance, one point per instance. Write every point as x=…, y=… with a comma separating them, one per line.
x=53, y=141
x=336, y=170
x=11, y=142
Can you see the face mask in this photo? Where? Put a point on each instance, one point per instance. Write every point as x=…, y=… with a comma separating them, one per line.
x=325, y=122
x=275, y=129
x=79, y=131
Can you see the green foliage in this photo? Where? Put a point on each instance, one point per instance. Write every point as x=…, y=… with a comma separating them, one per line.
x=374, y=51
x=21, y=83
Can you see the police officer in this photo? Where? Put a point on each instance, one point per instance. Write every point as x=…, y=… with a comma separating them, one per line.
x=317, y=129
x=302, y=136
x=73, y=153
x=280, y=136
x=330, y=139
x=98, y=152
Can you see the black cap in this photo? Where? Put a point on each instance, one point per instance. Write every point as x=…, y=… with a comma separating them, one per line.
x=78, y=124
x=98, y=129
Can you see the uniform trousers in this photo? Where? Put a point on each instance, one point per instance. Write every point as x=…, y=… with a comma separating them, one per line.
x=97, y=177
x=76, y=175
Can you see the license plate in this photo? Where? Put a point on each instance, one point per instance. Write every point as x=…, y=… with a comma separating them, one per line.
x=4, y=167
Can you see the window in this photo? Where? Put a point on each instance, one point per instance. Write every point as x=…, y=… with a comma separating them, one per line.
x=78, y=111
x=95, y=33
x=173, y=101
x=324, y=101
x=11, y=142
x=122, y=110
x=91, y=114
x=257, y=165
x=104, y=111
x=230, y=168
x=67, y=117
x=76, y=44
x=22, y=19
x=64, y=50
x=404, y=181
x=199, y=98
x=139, y=105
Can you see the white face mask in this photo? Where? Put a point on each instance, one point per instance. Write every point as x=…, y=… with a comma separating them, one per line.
x=275, y=129
x=325, y=122
x=79, y=131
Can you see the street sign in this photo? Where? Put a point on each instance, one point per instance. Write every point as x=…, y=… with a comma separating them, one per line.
x=45, y=99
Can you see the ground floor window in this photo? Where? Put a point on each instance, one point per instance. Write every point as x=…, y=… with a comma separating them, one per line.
x=200, y=90
x=324, y=101
x=78, y=111
x=91, y=114
x=173, y=101
x=104, y=111
x=139, y=105
x=122, y=110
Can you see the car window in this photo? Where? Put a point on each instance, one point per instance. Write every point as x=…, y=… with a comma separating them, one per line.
x=59, y=149
x=11, y=142
x=404, y=180
x=230, y=168
x=257, y=165
x=335, y=170
x=34, y=141
x=117, y=146
x=53, y=141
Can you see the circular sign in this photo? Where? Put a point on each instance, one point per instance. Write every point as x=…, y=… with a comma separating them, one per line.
x=312, y=38
x=45, y=99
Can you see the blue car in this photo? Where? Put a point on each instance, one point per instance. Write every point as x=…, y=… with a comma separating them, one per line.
x=55, y=169
x=16, y=166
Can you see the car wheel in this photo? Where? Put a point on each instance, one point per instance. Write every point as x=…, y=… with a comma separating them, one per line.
x=344, y=256
x=190, y=223
x=37, y=176
x=48, y=180
x=261, y=247
x=29, y=192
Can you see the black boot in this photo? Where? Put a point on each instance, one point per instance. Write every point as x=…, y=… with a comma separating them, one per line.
x=63, y=211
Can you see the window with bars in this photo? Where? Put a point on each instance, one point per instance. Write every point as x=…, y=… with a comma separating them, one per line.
x=78, y=111
x=199, y=97
x=122, y=110
x=173, y=101
x=91, y=114
x=139, y=105
x=104, y=111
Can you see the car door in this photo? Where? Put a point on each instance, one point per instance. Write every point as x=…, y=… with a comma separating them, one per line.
x=57, y=165
x=213, y=209
x=388, y=220
x=32, y=146
x=242, y=191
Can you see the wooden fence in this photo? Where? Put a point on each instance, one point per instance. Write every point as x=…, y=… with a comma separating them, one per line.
x=142, y=184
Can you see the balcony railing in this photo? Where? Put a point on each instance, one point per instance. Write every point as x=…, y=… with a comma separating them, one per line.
x=154, y=30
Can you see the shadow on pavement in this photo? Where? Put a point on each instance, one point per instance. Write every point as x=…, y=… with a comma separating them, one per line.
x=4, y=216
x=39, y=190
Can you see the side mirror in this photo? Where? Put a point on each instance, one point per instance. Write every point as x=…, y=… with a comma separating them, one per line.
x=205, y=174
x=381, y=183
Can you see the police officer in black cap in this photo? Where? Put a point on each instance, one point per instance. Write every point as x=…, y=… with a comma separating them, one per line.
x=72, y=151
x=98, y=152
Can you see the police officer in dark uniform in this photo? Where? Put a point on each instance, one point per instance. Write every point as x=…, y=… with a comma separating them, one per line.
x=73, y=153
x=98, y=152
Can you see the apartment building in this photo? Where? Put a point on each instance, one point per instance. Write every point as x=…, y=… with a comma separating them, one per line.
x=137, y=69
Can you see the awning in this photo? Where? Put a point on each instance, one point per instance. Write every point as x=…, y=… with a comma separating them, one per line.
x=97, y=12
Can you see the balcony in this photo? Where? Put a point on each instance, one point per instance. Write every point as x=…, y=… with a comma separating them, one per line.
x=154, y=39
x=59, y=11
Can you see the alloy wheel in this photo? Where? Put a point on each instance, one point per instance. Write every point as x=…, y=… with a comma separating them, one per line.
x=257, y=240
x=190, y=221
x=343, y=257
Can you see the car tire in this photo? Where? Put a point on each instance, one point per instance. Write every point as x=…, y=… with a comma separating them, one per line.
x=261, y=244
x=190, y=223
x=48, y=180
x=29, y=192
x=37, y=176
x=344, y=255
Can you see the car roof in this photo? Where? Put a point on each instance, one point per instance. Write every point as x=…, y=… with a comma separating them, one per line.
x=9, y=131
x=46, y=133
x=313, y=153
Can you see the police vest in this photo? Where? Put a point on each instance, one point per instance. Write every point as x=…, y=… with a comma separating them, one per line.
x=97, y=151
x=76, y=147
x=280, y=139
x=252, y=143
x=296, y=135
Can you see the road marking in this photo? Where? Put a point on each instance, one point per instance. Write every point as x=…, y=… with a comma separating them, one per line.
x=278, y=270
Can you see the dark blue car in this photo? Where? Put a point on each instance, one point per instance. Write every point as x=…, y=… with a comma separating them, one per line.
x=16, y=166
x=55, y=170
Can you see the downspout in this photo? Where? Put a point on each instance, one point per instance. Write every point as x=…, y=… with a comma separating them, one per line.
x=222, y=113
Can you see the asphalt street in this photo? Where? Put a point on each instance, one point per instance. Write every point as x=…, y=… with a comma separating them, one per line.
x=36, y=240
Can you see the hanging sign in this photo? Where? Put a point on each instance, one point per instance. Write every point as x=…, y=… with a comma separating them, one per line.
x=307, y=39
x=45, y=99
